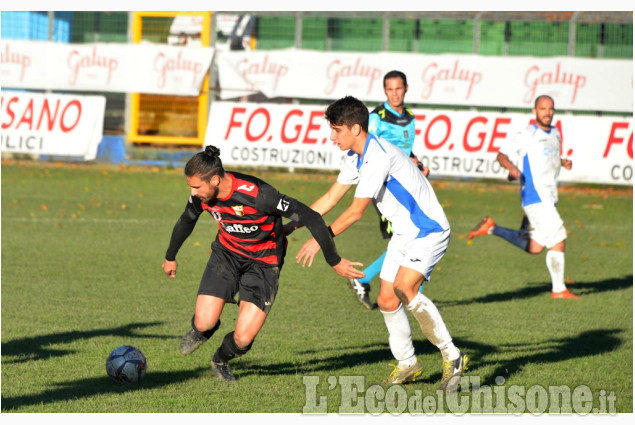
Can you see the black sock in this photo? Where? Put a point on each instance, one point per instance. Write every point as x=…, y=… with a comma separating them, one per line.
x=229, y=350
x=207, y=334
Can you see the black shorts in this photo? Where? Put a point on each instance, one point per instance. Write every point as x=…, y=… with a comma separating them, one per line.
x=228, y=274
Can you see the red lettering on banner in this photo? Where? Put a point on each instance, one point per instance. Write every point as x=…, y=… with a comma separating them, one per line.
x=164, y=64
x=297, y=127
x=615, y=140
x=417, y=119
x=66, y=128
x=233, y=123
x=27, y=116
x=33, y=114
x=76, y=62
x=432, y=73
x=535, y=78
x=312, y=126
x=497, y=134
x=335, y=70
x=7, y=57
x=263, y=111
x=8, y=112
x=480, y=136
x=448, y=124
x=247, y=69
x=45, y=108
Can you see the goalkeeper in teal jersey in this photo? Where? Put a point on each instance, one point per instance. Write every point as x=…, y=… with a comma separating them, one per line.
x=395, y=123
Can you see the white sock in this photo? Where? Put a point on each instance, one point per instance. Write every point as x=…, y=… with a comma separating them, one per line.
x=449, y=351
x=400, y=336
x=432, y=325
x=555, y=265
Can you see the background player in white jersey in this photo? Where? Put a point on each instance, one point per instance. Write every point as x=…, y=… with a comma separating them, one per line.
x=537, y=152
x=394, y=122
x=384, y=173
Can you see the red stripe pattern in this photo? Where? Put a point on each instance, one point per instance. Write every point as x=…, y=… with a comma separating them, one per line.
x=249, y=223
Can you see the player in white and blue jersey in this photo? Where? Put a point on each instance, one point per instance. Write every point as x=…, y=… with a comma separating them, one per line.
x=536, y=150
x=394, y=122
x=421, y=234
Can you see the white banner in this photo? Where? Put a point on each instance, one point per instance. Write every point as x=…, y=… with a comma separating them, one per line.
x=444, y=79
x=451, y=143
x=52, y=124
x=106, y=67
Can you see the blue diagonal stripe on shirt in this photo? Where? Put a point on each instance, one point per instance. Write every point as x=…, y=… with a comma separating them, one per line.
x=425, y=224
x=528, y=192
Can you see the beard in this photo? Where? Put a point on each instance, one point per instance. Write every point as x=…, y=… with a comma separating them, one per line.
x=213, y=196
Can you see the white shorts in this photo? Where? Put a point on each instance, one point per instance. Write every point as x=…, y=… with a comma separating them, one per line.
x=420, y=254
x=545, y=225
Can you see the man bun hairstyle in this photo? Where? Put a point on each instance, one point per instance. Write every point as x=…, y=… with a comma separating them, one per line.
x=205, y=164
x=347, y=111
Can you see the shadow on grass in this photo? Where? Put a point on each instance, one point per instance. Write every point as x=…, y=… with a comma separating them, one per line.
x=38, y=347
x=588, y=343
x=91, y=387
x=543, y=290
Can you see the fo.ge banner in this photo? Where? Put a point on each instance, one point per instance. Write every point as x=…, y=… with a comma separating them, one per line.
x=61, y=125
x=451, y=143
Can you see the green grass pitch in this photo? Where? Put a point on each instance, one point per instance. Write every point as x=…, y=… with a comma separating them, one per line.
x=82, y=248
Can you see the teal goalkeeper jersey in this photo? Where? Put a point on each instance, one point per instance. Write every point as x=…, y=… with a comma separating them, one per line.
x=388, y=124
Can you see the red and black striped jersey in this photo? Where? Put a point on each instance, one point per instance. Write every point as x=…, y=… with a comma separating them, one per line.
x=250, y=221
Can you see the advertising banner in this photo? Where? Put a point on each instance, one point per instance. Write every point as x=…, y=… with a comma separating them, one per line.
x=451, y=143
x=106, y=67
x=441, y=79
x=64, y=125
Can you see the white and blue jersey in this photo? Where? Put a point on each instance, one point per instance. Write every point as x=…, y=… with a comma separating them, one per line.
x=397, y=128
x=401, y=192
x=537, y=153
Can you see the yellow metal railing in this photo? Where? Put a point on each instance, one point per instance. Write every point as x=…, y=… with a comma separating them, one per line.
x=169, y=120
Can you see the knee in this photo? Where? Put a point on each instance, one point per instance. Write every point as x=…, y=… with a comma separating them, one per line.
x=387, y=303
x=243, y=340
x=202, y=323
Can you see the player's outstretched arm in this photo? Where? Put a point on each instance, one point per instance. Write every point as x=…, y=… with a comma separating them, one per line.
x=347, y=269
x=322, y=205
x=352, y=214
x=181, y=231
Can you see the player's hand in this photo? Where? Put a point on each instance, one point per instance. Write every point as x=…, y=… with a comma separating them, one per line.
x=169, y=267
x=566, y=163
x=346, y=268
x=425, y=171
x=514, y=174
x=307, y=252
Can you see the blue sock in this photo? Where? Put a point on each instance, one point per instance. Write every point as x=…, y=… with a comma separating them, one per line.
x=373, y=270
x=516, y=237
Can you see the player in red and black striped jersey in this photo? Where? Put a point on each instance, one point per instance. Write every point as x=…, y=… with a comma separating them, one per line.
x=247, y=254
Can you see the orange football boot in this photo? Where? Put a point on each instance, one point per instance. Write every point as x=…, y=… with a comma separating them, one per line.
x=482, y=228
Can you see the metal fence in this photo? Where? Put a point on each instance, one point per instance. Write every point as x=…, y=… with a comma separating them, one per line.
x=579, y=34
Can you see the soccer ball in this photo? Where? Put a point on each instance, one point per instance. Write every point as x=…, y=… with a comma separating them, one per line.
x=126, y=364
